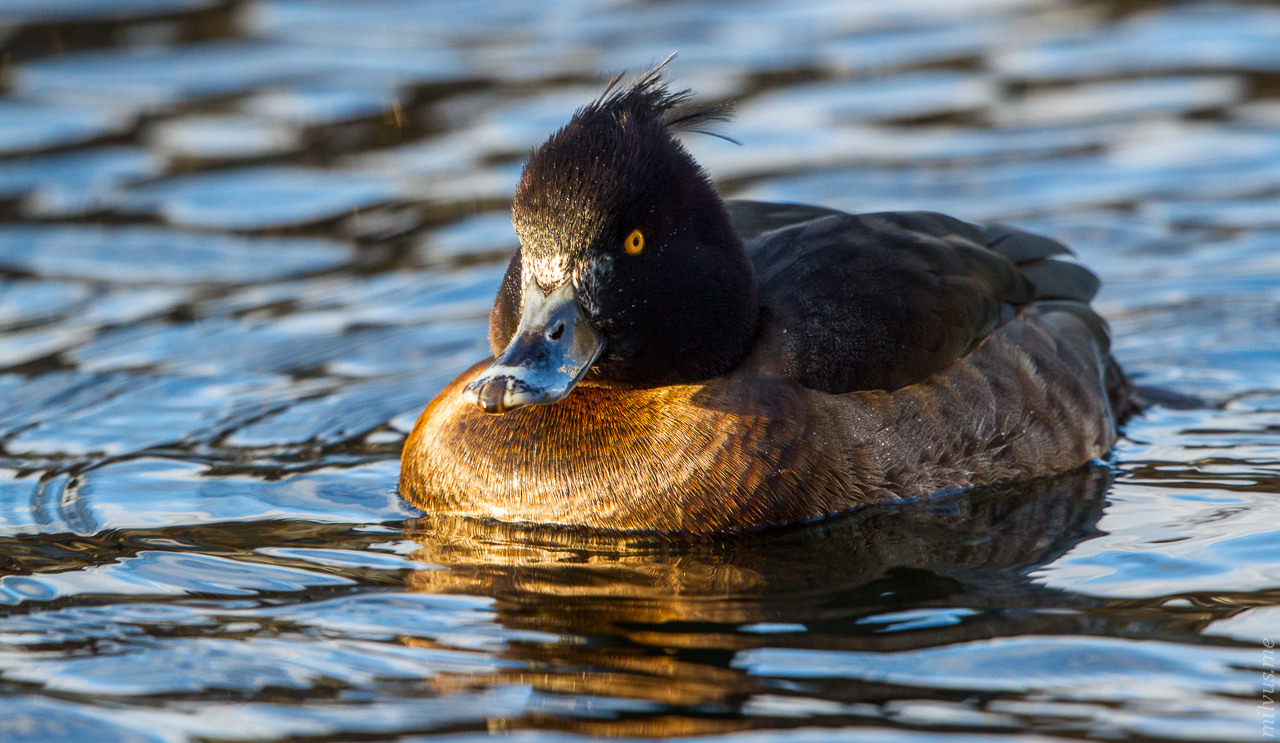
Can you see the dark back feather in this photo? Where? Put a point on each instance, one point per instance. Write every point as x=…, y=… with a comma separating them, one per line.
x=882, y=301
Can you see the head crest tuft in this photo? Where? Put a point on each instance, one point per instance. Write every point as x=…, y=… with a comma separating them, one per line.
x=647, y=97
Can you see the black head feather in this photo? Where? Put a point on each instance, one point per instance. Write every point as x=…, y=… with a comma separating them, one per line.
x=649, y=96
x=613, y=156
x=681, y=308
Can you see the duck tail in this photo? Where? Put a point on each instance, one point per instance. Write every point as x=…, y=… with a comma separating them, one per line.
x=1062, y=286
x=1125, y=399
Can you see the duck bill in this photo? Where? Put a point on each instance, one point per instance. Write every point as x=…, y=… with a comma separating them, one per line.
x=551, y=351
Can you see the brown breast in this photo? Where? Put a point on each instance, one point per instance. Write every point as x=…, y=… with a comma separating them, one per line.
x=732, y=452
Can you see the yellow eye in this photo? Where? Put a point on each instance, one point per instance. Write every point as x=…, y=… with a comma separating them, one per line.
x=634, y=242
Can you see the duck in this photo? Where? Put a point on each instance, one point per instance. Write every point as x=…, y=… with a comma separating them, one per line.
x=665, y=361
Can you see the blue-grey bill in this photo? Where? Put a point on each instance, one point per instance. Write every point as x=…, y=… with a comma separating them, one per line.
x=551, y=351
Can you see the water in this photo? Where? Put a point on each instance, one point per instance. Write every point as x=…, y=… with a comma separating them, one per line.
x=243, y=243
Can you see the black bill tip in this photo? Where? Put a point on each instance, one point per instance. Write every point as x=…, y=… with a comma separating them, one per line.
x=497, y=395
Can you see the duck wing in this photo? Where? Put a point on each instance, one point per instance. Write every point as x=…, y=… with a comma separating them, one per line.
x=882, y=301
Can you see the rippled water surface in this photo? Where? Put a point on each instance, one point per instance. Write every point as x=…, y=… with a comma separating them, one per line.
x=243, y=243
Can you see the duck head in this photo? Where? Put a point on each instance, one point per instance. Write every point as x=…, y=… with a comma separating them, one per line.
x=629, y=271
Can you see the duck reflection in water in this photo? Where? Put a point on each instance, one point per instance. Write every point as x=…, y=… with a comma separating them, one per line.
x=660, y=622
